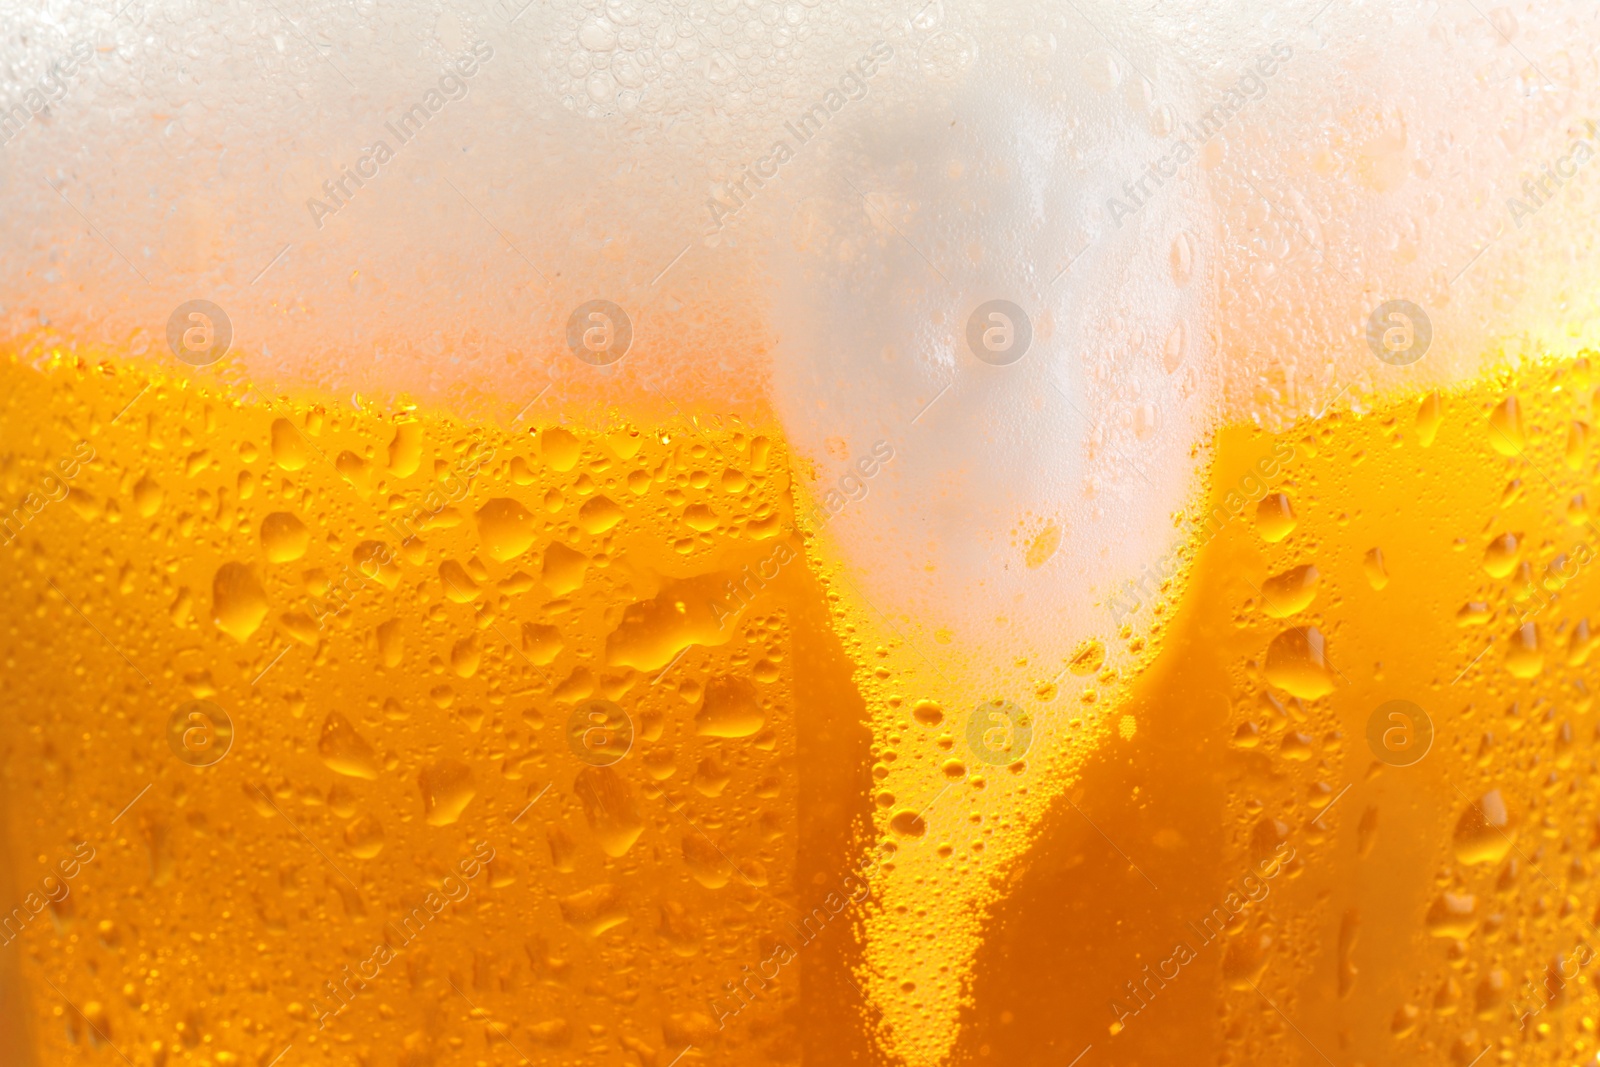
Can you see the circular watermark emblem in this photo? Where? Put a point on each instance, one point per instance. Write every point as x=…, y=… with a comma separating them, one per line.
x=999, y=332
x=199, y=332
x=599, y=333
x=1399, y=332
x=999, y=732
x=199, y=733
x=599, y=732
x=1399, y=733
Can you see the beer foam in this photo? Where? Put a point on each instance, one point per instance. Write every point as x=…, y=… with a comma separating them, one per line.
x=812, y=208
x=802, y=205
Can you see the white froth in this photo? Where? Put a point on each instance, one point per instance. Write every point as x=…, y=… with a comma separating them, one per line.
x=984, y=189
x=614, y=150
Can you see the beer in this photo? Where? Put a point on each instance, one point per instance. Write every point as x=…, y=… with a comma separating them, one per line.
x=805, y=533
x=1345, y=811
x=385, y=737
x=354, y=660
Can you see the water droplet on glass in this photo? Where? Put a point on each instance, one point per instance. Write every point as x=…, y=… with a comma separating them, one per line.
x=1175, y=348
x=1297, y=662
x=1290, y=592
x=288, y=447
x=1525, y=659
x=1429, y=415
x=1182, y=258
x=1275, y=518
x=284, y=537
x=1500, y=558
x=1484, y=833
x=238, y=601
x=344, y=750
x=1376, y=570
x=447, y=789
x=506, y=527
x=1505, y=427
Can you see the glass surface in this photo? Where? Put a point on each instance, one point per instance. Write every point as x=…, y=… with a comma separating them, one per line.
x=649, y=534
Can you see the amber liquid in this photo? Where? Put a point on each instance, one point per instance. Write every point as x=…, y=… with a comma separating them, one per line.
x=407, y=843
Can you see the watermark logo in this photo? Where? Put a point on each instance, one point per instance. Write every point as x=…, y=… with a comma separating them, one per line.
x=1554, y=175
x=1399, y=733
x=740, y=594
x=851, y=486
x=51, y=892
x=739, y=190
x=856, y=886
x=599, y=732
x=199, y=332
x=341, y=189
x=52, y=88
x=599, y=333
x=999, y=332
x=999, y=732
x=1251, y=488
x=200, y=733
x=1399, y=332
x=1185, y=146
x=54, y=488
x=399, y=932
x=452, y=488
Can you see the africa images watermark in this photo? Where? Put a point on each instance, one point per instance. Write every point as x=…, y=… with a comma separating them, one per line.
x=740, y=593
x=398, y=934
x=454, y=487
x=856, y=886
x=1251, y=890
x=1252, y=488
x=55, y=891
x=729, y=200
x=48, y=90
x=373, y=157
x=1555, y=174
x=55, y=489
x=1560, y=972
x=850, y=486
x=1536, y=595
x=376, y=561
x=1250, y=87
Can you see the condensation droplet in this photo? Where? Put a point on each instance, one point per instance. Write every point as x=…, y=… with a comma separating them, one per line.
x=288, y=447
x=1176, y=347
x=1500, y=558
x=1182, y=258
x=1297, y=662
x=447, y=789
x=1290, y=592
x=1525, y=658
x=1505, y=427
x=1484, y=833
x=364, y=837
x=1376, y=570
x=506, y=527
x=345, y=751
x=1275, y=518
x=1429, y=415
x=238, y=601
x=284, y=537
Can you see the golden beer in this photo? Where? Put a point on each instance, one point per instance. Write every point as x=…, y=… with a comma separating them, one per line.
x=348, y=736
x=614, y=534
